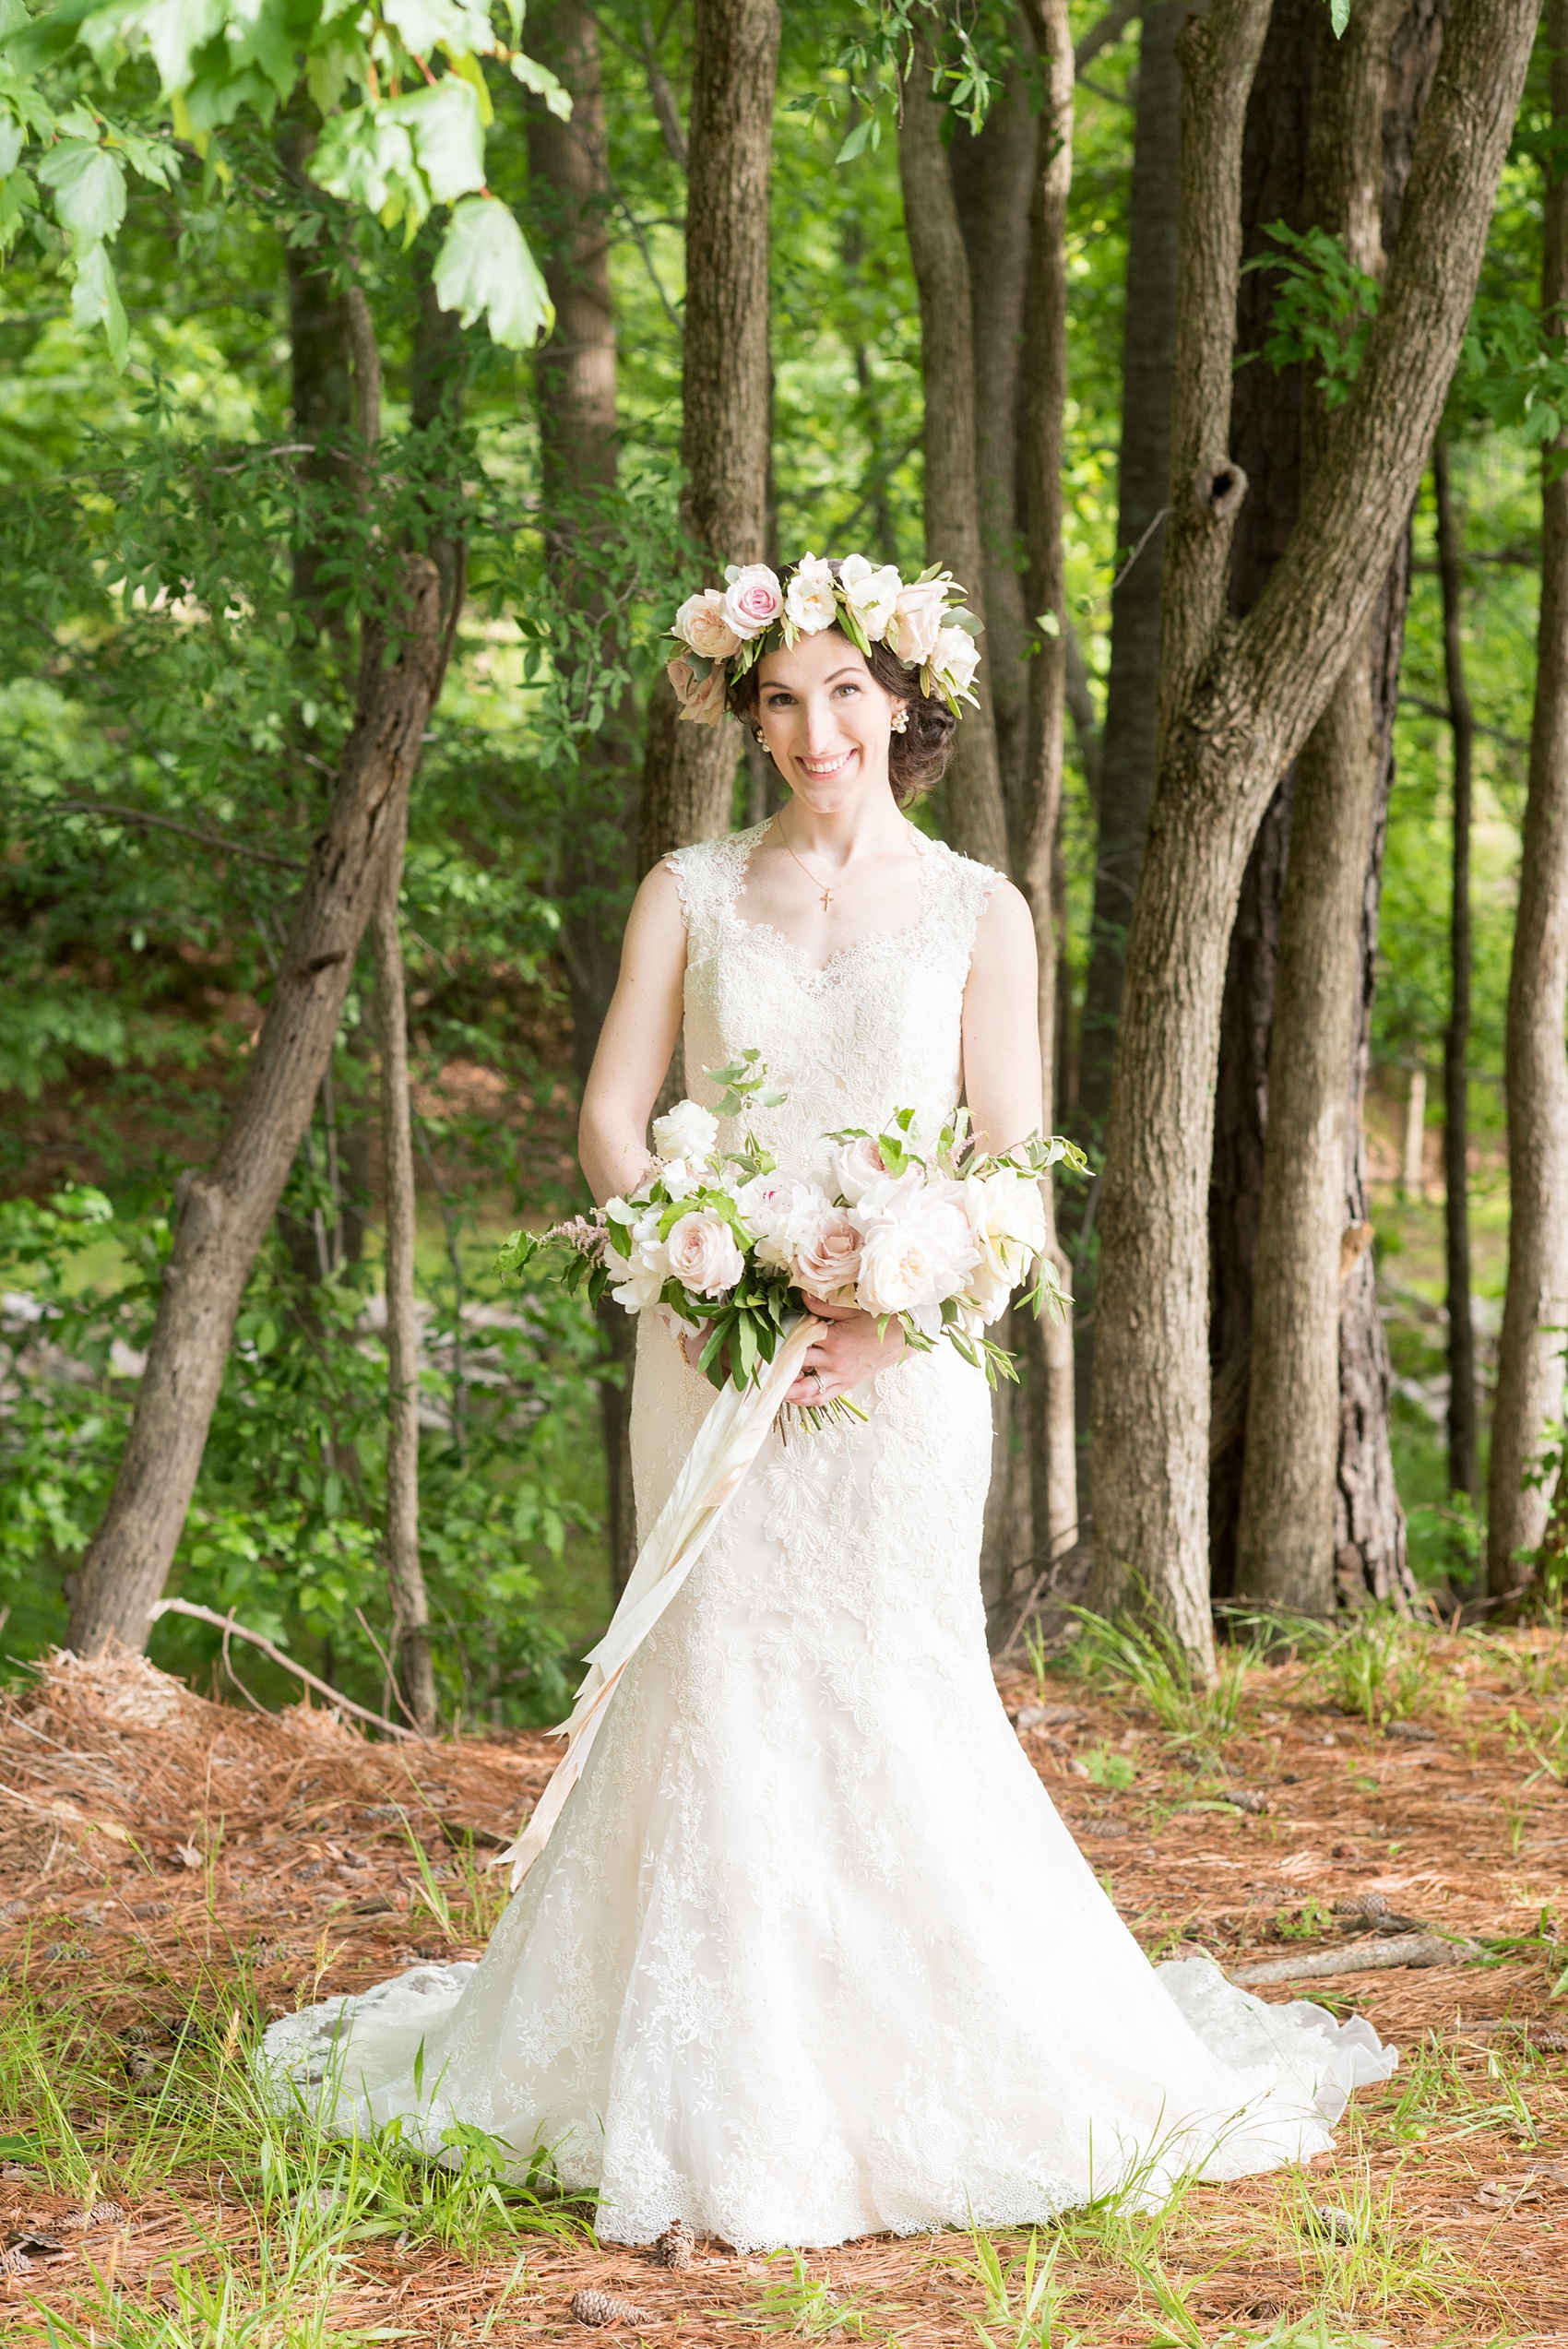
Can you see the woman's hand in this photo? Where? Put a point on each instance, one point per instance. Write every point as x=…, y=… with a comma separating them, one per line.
x=846, y=1352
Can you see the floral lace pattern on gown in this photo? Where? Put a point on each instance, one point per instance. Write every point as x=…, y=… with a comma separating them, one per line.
x=810, y=1953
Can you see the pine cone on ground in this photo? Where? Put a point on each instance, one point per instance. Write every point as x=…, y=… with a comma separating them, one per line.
x=604, y=2308
x=676, y=2247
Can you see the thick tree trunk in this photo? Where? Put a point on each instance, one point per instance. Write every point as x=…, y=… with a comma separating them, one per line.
x=1286, y=1539
x=1462, y=1471
x=575, y=395
x=689, y=771
x=223, y=1212
x=1051, y=1416
x=1530, y=1371
x=994, y=180
x=977, y=822
x=1127, y=766
x=1238, y=700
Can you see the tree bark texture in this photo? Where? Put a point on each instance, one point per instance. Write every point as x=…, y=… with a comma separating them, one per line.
x=1462, y=1430
x=1238, y=700
x=575, y=397
x=1286, y=1545
x=689, y=771
x=976, y=822
x=1535, y=1311
x=405, y=1574
x=223, y=1212
x=1052, y=1415
x=1143, y=483
x=994, y=178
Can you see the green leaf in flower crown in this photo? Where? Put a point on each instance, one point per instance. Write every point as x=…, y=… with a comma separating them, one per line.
x=484, y=266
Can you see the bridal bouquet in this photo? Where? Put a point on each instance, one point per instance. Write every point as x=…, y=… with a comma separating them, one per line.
x=926, y=1231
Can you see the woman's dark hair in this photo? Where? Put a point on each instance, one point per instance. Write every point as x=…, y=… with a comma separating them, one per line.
x=918, y=758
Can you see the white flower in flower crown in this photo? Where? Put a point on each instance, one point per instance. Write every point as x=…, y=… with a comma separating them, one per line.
x=688, y=1131
x=752, y=599
x=954, y=660
x=916, y=620
x=809, y=601
x=700, y=623
x=702, y=1254
x=872, y=596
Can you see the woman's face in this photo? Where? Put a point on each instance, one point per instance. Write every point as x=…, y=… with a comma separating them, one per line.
x=826, y=720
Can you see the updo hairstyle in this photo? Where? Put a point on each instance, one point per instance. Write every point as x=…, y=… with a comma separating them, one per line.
x=918, y=758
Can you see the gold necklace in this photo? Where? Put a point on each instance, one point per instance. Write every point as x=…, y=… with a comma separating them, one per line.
x=826, y=892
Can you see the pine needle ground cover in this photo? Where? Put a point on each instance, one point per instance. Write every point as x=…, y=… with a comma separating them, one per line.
x=172, y=1872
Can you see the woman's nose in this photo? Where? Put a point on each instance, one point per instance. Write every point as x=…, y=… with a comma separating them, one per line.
x=822, y=727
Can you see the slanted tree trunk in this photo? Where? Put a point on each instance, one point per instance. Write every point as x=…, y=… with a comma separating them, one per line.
x=977, y=822
x=1052, y=1419
x=222, y=1212
x=1238, y=700
x=689, y=771
x=1143, y=480
x=1462, y=1470
x=1286, y=1541
x=575, y=382
x=1535, y=1311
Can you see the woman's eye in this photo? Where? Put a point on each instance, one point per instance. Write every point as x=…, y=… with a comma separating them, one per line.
x=849, y=689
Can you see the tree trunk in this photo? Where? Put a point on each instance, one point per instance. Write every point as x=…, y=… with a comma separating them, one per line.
x=689, y=771
x=1286, y=1539
x=223, y=1213
x=977, y=822
x=1143, y=481
x=1530, y=1371
x=575, y=388
x=1462, y=1472
x=1052, y=1419
x=1238, y=699
x=405, y=1574
x=994, y=178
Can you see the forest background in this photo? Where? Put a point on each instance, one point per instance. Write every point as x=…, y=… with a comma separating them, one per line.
x=200, y=504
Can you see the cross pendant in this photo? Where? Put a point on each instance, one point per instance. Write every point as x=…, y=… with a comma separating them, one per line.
x=826, y=899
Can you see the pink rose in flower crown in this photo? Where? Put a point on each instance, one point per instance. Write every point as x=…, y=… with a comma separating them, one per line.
x=700, y=623
x=701, y=699
x=917, y=621
x=828, y=1262
x=703, y=1255
x=752, y=599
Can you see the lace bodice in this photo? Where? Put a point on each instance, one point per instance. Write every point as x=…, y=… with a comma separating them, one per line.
x=878, y=1028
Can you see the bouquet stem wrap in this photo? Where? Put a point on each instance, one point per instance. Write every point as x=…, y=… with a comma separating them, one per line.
x=727, y=1443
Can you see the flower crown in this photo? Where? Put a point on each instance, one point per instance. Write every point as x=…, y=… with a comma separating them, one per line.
x=726, y=630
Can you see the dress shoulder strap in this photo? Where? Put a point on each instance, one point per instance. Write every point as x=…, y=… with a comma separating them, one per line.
x=709, y=876
x=959, y=890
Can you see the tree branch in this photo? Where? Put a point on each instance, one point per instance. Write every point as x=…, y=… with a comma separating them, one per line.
x=1105, y=33
x=167, y=823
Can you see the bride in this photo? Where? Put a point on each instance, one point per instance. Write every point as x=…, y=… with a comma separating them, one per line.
x=810, y=1953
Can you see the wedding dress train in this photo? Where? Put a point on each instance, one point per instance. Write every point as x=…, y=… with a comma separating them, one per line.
x=810, y=1953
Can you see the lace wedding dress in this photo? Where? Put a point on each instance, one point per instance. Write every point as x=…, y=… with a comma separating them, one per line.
x=810, y=1953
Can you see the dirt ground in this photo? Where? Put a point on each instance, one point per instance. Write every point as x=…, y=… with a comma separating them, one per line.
x=162, y=1856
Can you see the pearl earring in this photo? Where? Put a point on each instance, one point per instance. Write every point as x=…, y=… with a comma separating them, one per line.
x=901, y=722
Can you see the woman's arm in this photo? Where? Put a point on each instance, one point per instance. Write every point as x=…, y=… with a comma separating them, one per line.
x=636, y=1041
x=1001, y=1062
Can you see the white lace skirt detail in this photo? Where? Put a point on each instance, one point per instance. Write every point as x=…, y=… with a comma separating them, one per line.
x=810, y=1953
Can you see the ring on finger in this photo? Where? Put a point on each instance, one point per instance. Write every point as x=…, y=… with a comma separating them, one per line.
x=813, y=1372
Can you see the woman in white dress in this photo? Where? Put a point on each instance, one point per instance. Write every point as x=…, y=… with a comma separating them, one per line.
x=810, y=1953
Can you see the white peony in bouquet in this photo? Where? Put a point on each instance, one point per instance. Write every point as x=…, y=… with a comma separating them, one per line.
x=929, y=1232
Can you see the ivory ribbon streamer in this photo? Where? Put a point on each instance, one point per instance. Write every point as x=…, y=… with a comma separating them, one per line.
x=727, y=1443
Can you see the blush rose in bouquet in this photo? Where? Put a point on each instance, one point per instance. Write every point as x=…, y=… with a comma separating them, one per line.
x=932, y=1233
